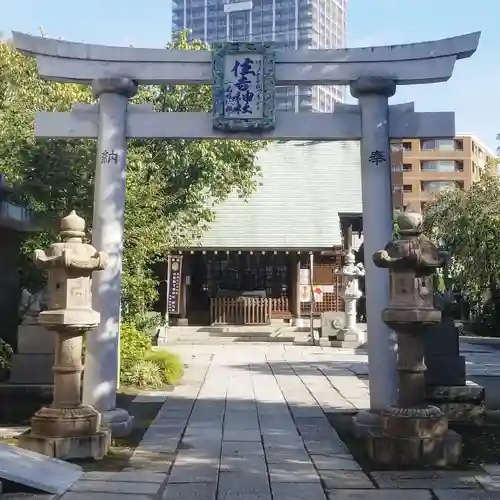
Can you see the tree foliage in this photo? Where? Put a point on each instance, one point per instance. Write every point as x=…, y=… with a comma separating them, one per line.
x=172, y=186
x=467, y=224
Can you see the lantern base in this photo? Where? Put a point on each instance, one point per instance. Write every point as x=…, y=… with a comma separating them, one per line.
x=81, y=421
x=414, y=451
x=95, y=446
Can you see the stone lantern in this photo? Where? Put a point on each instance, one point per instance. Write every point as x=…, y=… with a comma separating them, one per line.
x=68, y=429
x=412, y=433
x=350, y=335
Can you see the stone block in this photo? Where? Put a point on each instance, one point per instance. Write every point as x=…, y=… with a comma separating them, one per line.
x=425, y=427
x=32, y=369
x=427, y=479
x=33, y=338
x=331, y=323
x=442, y=339
x=345, y=344
x=445, y=370
x=461, y=393
x=37, y=471
x=68, y=448
x=463, y=403
x=414, y=451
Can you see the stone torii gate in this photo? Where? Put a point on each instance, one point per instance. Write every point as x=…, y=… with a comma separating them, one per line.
x=372, y=73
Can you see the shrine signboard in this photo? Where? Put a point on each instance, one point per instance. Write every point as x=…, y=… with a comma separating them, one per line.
x=243, y=87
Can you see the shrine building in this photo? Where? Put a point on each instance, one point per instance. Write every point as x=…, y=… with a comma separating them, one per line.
x=252, y=265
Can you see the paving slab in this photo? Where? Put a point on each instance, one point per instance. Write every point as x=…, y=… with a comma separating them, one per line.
x=193, y=472
x=37, y=471
x=194, y=491
x=425, y=479
x=74, y=495
x=137, y=482
x=26, y=496
x=465, y=495
x=298, y=491
x=343, y=479
x=380, y=495
x=293, y=472
x=335, y=462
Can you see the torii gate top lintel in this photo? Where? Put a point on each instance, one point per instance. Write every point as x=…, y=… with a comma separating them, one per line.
x=425, y=62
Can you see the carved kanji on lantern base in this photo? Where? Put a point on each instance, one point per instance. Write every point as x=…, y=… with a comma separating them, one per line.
x=68, y=429
x=412, y=432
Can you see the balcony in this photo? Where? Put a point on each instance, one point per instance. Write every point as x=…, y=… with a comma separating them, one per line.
x=16, y=217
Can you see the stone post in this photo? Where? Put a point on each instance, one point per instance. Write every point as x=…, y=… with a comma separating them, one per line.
x=68, y=429
x=373, y=95
x=102, y=347
x=413, y=433
x=349, y=335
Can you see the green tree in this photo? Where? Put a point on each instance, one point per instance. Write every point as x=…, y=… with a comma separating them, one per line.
x=172, y=186
x=467, y=224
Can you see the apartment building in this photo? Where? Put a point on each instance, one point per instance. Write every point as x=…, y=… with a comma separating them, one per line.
x=290, y=24
x=424, y=167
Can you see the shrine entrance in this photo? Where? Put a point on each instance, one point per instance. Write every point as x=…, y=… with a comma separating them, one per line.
x=243, y=77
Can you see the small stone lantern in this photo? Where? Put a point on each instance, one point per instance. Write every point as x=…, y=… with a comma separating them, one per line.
x=412, y=433
x=349, y=335
x=68, y=429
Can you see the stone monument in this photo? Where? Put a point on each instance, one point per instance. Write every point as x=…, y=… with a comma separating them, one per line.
x=413, y=433
x=68, y=429
x=445, y=378
x=32, y=363
x=350, y=335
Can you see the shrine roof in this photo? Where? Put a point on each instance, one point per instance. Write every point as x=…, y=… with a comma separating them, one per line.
x=304, y=187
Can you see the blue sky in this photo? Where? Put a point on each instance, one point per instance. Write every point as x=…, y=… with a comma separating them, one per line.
x=471, y=92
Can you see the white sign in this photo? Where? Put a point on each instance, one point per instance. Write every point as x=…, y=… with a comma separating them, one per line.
x=304, y=277
x=318, y=293
x=328, y=288
x=243, y=97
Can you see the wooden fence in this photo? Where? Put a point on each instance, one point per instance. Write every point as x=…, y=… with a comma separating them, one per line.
x=247, y=310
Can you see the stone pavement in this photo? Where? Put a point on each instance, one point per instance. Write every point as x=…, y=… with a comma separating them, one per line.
x=249, y=423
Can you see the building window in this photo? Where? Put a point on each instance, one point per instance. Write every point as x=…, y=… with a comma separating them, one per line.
x=406, y=146
x=437, y=186
x=442, y=166
x=441, y=145
x=407, y=188
x=422, y=205
x=406, y=167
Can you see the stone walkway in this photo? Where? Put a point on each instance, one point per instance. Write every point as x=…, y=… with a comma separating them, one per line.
x=248, y=423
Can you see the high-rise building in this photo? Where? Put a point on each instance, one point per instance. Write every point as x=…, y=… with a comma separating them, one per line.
x=424, y=167
x=291, y=24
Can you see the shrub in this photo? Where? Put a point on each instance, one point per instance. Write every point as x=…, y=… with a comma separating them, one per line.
x=133, y=348
x=145, y=374
x=170, y=365
x=5, y=355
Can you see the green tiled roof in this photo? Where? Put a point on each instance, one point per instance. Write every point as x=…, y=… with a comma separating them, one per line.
x=304, y=187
